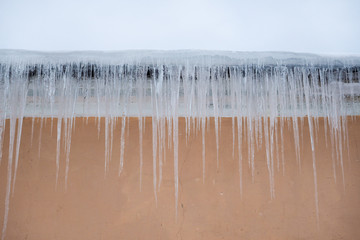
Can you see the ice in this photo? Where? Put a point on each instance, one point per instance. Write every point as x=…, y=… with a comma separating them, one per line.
x=307, y=91
x=203, y=123
x=239, y=126
x=21, y=107
x=175, y=86
x=2, y=132
x=262, y=93
x=214, y=91
x=154, y=142
x=140, y=93
x=141, y=149
x=40, y=135
x=282, y=145
x=9, y=173
x=122, y=144
x=58, y=138
x=107, y=144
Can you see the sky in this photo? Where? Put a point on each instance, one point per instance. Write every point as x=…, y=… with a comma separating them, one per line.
x=316, y=26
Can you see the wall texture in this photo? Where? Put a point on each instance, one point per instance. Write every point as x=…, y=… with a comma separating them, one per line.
x=96, y=206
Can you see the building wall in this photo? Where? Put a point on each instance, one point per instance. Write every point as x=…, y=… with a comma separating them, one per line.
x=96, y=206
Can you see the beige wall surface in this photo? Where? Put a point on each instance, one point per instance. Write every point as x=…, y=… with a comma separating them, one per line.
x=96, y=206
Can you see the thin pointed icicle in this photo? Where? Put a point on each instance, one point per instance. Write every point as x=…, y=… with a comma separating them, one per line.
x=239, y=125
x=233, y=134
x=67, y=154
x=268, y=155
x=175, y=127
x=141, y=148
x=215, y=101
x=32, y=130
x=40, y=135
x=341, y=157
x=3, y=104
x=155, y=121
x=9, y=173
x=22, y=103
x=98, y=105
x=58, y=138
x=176, y=162
x=122, y=145
x=51, y=126
x=203, y=123
x=277, y=145
x=112, y=127
x=282, y=145
x=19, y=130
x=140, y=96
x=314, y=172
x=127, y=86
x=311, y=132
x=71, y=91
x=107, y=150
x=154, y=139
x=2, y=130
x=161, y=150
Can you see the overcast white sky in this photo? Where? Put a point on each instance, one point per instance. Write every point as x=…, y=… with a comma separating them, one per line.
x=319, y=26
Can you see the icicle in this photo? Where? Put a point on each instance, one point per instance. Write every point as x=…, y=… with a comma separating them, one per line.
x=140, y=96
x=161, y=134
x=176, y=164
x=67, y=151
x=282, y=145
x=122, y=144
x=40, y=134
x=112, y=127
x=141, y=148
x=21, y=102
x=311, y=132
x=32, y=130
x=233, y=134
x=107, y=150
x=154, y=136
x=9, y=172
x=127, y=86
x=58, y=138
x=239, y=126
x=203, y=123
x=174, y=103
x=215, y=102
x=2, y=132
x=154, y=139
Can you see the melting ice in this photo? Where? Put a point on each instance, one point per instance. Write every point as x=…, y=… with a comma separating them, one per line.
x=261, y=92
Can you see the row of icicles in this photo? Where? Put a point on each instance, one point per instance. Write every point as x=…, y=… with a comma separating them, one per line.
x=259, y=100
